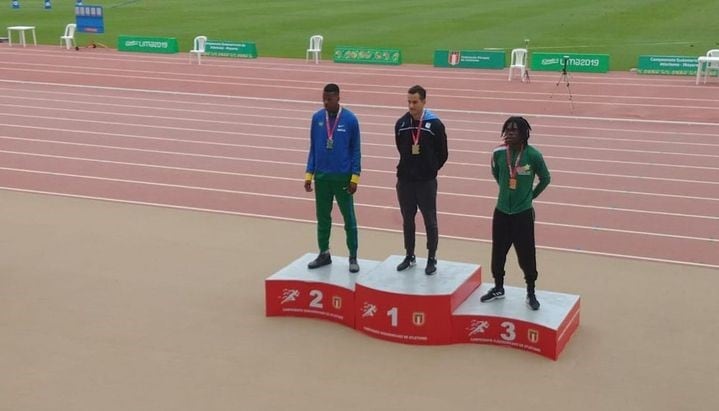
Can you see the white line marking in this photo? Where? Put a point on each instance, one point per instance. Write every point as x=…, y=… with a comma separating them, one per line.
x=194, y=104
x=364, y=186
x=201, y=130
x=304, y=151
x=223, y=114
x=314, y=103
x=304, y=141
x=597, y=253
x=385, y=207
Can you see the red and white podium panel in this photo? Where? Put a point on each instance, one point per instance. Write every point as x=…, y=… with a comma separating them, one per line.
x=326, y=292
x=509, y=322
x=410, y=306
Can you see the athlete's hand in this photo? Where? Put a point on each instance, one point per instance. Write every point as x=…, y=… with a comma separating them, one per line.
x=352, y=188
x=308, y=186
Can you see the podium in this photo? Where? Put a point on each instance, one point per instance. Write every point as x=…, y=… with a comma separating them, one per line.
x=326, y=292
x=411, y=307
x=508, y=322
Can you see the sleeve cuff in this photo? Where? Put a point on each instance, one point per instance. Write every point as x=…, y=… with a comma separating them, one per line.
x=308, y=176
x=355, y=179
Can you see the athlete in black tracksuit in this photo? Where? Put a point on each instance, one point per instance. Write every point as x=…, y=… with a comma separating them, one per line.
x=422, y=144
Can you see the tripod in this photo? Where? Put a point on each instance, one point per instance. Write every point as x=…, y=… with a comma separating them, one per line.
x=564, y=77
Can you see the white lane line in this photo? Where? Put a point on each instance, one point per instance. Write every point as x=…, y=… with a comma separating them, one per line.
x=314, y=104
x=377, y=206
x=303, y=129
x=304, y=141
x=347, y=85
x=416, y=71
x=274, y=116
x=422, y=72
x=194, y=104
x=304, y=151
x=364, y=186
x=362, y=89
x=280, y=218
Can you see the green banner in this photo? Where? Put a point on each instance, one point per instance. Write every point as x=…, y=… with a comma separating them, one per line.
x=221, y=48
x=592, y=63
x=367, y=55
x=674, y=65
x=147, y=44
x=481, y=59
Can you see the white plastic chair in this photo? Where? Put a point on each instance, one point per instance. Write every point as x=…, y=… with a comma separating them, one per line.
x=198, y=48
x=711, y=65
x=518, y=61
x=69, y=36
x=315, y=48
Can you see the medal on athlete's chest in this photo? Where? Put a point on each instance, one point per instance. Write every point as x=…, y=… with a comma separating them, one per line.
x=415, y=136
x=331, y=129
x=513, y=169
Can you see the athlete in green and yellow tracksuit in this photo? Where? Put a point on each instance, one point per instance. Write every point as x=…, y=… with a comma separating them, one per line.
x=334, y=164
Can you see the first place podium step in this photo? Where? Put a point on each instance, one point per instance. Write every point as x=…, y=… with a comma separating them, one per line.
x=413, y=308
x=409, y=306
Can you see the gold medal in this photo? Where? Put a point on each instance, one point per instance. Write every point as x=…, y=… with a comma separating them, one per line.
x=513, y=170
x=329, y=144
x=416, y=134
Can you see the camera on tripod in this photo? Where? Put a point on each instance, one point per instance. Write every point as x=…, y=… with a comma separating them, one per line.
x=565, y=60
x=564, y=78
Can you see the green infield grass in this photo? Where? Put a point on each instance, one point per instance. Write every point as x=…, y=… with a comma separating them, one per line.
x=624, y=29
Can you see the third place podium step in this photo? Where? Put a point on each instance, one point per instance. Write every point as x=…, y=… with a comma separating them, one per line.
x=508, y=322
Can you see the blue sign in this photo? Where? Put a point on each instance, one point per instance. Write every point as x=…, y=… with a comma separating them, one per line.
x=89, y=19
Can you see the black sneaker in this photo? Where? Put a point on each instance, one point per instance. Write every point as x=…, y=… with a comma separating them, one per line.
x=532, y=302
x=494, y=294
x=431, y=266
x=354, y=267
x=409, y=261
x=321, y=260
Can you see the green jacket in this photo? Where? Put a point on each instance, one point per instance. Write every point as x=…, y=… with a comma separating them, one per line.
x=531, y=163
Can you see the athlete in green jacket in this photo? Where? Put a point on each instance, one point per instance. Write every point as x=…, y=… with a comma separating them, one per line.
x=514, y=166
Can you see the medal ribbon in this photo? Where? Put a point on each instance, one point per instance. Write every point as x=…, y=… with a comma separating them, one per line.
x=331, y=132
x=513, y=170
x=415, y=136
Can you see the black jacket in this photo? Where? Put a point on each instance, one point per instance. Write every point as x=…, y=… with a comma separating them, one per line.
x=432, y=147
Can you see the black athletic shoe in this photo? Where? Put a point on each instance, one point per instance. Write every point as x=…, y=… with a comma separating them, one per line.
x=409, y=261
x=493, y=294
x=532, y=302
x=354, y=267
x=321, y=260
x=431, y=266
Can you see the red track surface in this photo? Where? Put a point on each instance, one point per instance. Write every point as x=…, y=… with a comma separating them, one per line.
x=635, y=161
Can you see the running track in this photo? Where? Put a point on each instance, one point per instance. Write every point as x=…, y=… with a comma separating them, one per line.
x=634, y=159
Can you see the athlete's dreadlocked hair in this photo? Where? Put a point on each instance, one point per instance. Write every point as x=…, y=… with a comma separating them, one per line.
x=523, y=127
